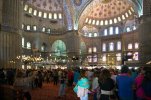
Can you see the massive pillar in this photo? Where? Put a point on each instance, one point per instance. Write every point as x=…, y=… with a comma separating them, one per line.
x=73, y=47
x=145, y=33
x=10, y=36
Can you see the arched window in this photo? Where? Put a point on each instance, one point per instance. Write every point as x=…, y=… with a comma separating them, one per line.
x=111, y=31
x=42, y=48
x=101, y=22
x=132, y=9
x=90, y=34
x=35, y=12
x=26, y=7
x=136, y=45
x=93, y=22
x=129, y=11
x=50, y=15
x=28, y=45
x=119, y=19
x=134, y=27
x=90, y=50
x=94, y=49
x=30, y=10
x=135, y=56
x=97, y=22
x=119, y=45
x=55, y=16
x=40, y=14
x=111, y=21
x=118, y=56
x=48, y=30
x=89, y=59
x=22, y=26
x=106, y=22
x=115, y=20
x=123, y=17
x=59, y=48
x=105, y=32
x=128, y=29
x=45, y=15
x=23, y=42
x=95, y=34
x=117, y=30
x=130, y=46
x=95, y=58
x=60, y=16
x=126, y=14
x=34, y=28
x=85, y=34
x=111, y=46
x=43, y=29
x=104, y=57
x=86, y=21
x=89, y=21
x=103, y=47
x=28, y=27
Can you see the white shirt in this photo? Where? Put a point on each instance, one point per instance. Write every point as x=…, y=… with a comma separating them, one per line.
x=82, y=91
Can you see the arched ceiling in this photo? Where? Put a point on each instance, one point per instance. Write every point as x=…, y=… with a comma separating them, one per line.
x=110, y=9
x=102, y=10
x=48, y=5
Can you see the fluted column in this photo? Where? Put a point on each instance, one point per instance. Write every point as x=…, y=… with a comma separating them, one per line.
x=10, y=36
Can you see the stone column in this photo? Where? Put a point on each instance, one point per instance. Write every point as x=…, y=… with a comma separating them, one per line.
x=10, y=34
x=73, y=47
x=145, y=33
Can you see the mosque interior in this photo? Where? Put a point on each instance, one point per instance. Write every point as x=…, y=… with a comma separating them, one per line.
x=69, y=33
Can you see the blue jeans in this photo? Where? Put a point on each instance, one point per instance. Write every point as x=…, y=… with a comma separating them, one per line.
x=62, y=89
x=84, y=97
x=95, y=96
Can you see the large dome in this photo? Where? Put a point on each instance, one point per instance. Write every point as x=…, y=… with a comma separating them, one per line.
x=110, y=9
x=106, y=12
x=48, y=5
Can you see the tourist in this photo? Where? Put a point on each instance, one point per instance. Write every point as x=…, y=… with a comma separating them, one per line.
x=83, y=86
x=106, y=85
x=125, y=84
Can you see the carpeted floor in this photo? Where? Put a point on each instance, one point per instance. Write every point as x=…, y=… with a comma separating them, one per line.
x=50, y=92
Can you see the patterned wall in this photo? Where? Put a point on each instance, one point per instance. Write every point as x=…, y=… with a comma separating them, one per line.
x=49, y=5
x=110, y=9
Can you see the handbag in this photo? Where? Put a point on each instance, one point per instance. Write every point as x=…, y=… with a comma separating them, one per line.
x=75, y=89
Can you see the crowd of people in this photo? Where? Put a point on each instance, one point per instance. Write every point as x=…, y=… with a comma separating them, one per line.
x=102, y=83
x=110, y=84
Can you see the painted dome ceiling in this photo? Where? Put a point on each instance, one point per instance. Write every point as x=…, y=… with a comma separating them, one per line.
x=48, y=5
x=106, y=12
x=109, y=9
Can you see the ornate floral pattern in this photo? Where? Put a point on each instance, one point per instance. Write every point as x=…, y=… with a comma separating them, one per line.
x=77, y=2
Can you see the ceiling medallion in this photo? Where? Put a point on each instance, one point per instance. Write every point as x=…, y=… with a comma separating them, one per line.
x=77, y=2
x=106, y=1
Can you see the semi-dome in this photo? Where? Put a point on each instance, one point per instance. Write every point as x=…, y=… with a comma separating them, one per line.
x=48, y=5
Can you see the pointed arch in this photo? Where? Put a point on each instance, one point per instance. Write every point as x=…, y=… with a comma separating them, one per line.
x=58, y=48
